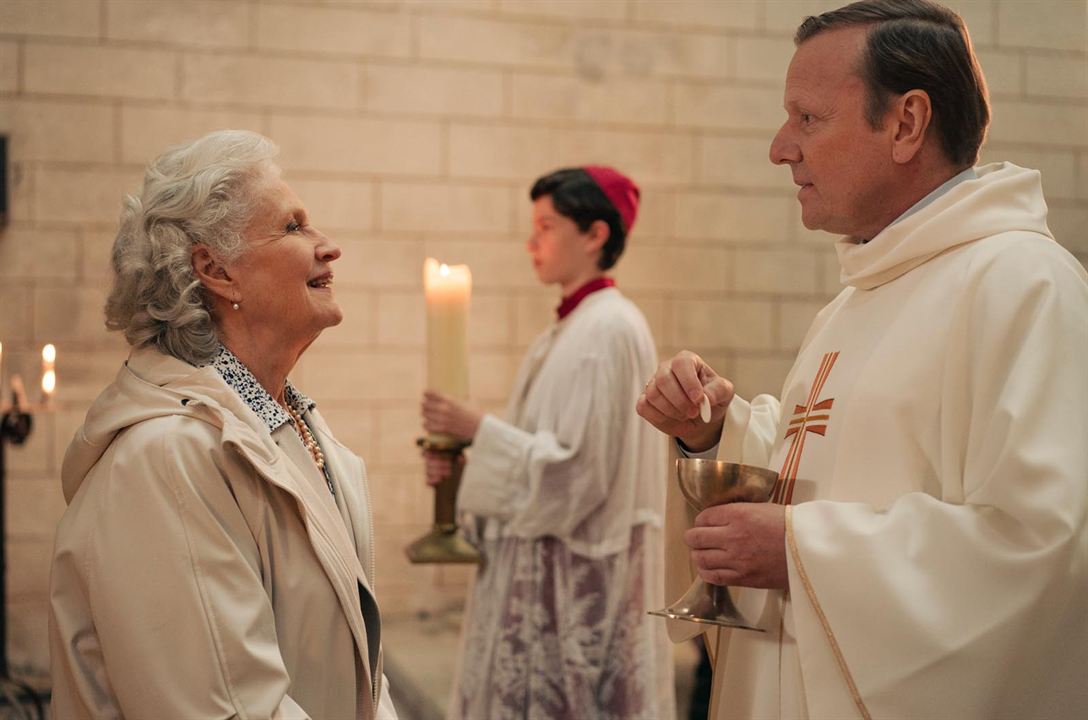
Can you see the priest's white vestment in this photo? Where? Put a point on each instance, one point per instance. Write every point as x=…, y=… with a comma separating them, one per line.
x=932, y=439
x=567, y=498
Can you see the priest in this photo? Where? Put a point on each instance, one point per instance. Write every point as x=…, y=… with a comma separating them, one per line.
x=925, y=552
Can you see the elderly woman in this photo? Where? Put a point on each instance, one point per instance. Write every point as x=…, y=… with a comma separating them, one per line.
x=216, y=556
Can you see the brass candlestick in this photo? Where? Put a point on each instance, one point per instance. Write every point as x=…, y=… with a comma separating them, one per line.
x=16, y=422
x=444, y=544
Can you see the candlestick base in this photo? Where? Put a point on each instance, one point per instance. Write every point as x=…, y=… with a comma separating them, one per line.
x=15, y=425
x=444, y=545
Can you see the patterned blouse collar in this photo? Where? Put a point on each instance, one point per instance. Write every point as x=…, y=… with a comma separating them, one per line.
x=242, y=381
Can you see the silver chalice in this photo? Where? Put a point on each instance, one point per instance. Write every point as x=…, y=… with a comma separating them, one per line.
x=705, y=483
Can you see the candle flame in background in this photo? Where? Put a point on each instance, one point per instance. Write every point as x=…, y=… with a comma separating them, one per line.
x=49, y=382
x=49, y=371
x=49, y=377
x=444, y=270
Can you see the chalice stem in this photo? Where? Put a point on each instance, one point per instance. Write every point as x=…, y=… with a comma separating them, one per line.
x=723, y=601
x=720, y=596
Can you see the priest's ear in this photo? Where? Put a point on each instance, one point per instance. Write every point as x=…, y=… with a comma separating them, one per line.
x=213, y=274
x=911, y=115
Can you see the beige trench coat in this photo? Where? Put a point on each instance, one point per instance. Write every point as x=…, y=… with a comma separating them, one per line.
x=199, y=572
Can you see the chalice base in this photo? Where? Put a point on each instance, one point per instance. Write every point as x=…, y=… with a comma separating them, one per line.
x=709, y=604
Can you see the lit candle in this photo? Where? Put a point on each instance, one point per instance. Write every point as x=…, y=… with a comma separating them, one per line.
x=49, y=372
x=447, y=290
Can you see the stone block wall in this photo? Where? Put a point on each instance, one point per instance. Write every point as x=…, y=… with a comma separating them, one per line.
x=414, y=128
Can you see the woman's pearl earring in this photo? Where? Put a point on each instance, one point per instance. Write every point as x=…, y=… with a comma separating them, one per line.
x=235, y=306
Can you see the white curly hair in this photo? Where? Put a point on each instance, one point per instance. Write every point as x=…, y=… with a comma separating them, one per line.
x=198, y=192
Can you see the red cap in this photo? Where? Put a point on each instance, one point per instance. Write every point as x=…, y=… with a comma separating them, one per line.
x=620, y=189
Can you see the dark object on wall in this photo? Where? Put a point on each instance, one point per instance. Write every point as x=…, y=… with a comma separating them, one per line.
x=15, y=426
x=3, y=181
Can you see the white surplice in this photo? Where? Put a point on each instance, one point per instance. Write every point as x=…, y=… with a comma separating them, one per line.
x=567, y=499
x=933, y=437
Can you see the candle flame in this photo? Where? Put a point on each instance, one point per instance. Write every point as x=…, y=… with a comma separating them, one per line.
x=49, y=381
x=49, y=353
x=443, y=269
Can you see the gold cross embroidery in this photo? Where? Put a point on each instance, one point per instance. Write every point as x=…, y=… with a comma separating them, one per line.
x=812, y=417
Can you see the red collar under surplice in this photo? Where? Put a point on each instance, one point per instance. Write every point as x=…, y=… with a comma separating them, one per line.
x=571, y=301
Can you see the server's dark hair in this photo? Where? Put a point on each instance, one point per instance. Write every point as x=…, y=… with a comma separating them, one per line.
x=575, y=195
x=918, y=44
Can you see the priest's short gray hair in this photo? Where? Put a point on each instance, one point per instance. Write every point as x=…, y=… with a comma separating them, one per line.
x=198, y=192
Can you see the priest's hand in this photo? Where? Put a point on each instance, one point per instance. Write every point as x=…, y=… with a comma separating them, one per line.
x=443, y=414
x=670, y=401
x=741, y=544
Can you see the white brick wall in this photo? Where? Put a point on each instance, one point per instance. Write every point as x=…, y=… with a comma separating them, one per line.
x=258, y=81
x=60, y=131
x=729, y=107
x=1004, y=72
x=204, y=23
x=322, y=142
x=55, y=68
x=414, y=127
x=447, y=92
x=145, y=130
x=333, y=30
x=59, y=18
x=726, y=217
x=38, y=254
x=1059, y=77
x=81, y=195
x=699, y=14
x=1042, y=26
x=439, y=207
x=624, y=100
x=9, y=58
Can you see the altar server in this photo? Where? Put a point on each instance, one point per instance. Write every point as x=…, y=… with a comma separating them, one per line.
x=565, y=494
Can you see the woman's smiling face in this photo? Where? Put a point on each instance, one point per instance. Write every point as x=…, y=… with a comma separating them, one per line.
x=285, y=276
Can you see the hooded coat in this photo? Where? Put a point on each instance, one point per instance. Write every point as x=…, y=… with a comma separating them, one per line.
x=200, y=571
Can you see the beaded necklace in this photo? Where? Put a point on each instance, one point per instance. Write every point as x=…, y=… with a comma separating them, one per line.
x=310, y=442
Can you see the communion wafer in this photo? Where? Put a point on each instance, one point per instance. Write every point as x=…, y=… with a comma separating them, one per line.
x=704, y=409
